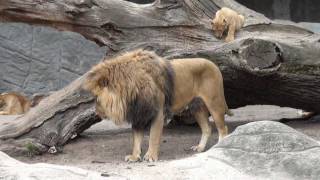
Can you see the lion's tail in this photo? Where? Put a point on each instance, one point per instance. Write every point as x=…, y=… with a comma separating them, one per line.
x=228, y=111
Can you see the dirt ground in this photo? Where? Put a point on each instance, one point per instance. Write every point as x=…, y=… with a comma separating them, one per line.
x=103, y=147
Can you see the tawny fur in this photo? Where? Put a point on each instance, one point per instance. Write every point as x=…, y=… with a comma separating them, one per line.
x=227, y=20
x=143, y=77
x=13, y=103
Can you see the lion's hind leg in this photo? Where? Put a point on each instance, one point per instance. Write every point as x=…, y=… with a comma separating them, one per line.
x=217, y=110
x=218, y=117
x=231, y=32
x=202, y=118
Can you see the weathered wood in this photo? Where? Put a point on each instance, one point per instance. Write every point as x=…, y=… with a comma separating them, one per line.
x=57, y=119
x=268, y=63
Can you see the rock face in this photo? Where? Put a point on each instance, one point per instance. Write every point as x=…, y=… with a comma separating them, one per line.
x=38, y=59
x=265, y=149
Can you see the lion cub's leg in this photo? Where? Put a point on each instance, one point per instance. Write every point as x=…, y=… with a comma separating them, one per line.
x=155, y=138
x=136, y=150
x=231, y=30
x=203, y=121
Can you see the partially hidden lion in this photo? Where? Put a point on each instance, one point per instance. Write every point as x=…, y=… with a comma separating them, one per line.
x=227, y=20
x=12, y=103
x=143, y=89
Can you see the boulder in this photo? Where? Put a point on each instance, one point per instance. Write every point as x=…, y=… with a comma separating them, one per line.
x=260, y=150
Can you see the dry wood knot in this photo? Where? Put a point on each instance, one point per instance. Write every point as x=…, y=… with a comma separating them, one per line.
x=260, y=56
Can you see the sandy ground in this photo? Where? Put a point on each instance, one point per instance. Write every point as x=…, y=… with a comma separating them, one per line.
x=103, y=147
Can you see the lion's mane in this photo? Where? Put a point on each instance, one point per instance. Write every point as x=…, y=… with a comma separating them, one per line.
x=128, y=87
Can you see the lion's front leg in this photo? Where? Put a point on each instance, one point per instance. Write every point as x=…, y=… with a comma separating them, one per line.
x=136, y=150
x=155, y=138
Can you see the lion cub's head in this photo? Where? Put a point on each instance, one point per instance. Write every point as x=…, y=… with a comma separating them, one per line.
x=225, y=20
x=219, y=26
x=220, y=22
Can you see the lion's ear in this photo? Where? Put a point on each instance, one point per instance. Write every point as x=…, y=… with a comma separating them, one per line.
x=95, y=82
x=103, y=82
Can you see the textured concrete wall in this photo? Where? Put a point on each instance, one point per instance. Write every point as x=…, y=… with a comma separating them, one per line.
x=36, y=59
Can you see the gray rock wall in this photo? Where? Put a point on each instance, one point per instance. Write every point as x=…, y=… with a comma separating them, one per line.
x=295, y=10
x=36, y=59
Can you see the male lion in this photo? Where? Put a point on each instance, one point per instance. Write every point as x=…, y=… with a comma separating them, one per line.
x=12, y=103
x=143, y=89
x=226, y=19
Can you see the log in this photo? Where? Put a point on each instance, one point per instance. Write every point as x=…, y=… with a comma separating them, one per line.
x=268, y=63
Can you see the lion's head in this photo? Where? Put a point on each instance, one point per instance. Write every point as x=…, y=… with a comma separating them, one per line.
x=110, y=103
x=126, y=86
x=219, y=25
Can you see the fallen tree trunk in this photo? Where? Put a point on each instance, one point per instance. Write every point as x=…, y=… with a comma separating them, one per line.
x=268, y=63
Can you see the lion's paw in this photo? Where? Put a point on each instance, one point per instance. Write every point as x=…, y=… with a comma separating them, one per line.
x=150, y=156
x=229, y=39
x=3, y=113
x=197, y=148
x=132, y=158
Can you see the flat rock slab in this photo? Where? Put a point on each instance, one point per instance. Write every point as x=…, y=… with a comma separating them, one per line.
x=12, y=169
x=257, y=150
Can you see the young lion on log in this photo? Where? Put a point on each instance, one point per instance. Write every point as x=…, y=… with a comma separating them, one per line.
x=144, y=89
x=227, y=19
x=12, y=103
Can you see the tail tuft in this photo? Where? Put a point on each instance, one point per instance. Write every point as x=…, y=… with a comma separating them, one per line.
x=229, y=113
